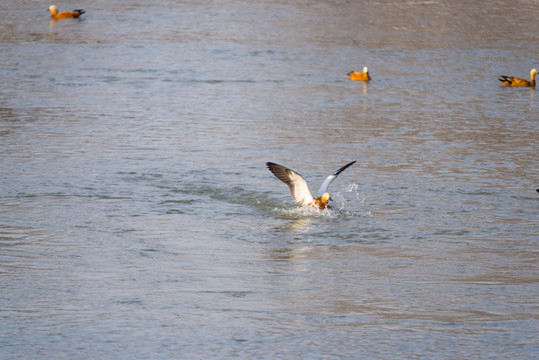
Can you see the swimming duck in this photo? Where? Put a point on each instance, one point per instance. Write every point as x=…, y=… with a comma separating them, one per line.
x=64, y=14
x=514, y=81
x=360, y=76
x=299, y=189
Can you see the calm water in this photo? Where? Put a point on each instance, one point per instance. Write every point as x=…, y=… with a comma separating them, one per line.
x=138, y=219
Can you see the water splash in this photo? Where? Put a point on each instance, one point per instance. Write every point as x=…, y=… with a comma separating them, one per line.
x=306, y=212
x=310, y=212
x=341, y=207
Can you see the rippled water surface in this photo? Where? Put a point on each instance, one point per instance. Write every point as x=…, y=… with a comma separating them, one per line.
x=138, y=219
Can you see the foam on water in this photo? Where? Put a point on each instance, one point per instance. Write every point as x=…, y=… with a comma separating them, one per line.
x=341, y=206
x=307, y=211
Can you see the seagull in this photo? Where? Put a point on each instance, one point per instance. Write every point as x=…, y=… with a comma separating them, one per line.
x=64, y=14
x=360, y=76
x=299, y=189
x=514, y=81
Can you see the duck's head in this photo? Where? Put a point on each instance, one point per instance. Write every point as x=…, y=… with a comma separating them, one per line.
x=53, y=9
x=534, y=72
x=365, y=70
x=324, y=198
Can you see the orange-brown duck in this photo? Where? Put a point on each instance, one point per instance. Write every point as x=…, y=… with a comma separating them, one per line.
x=64, y=14
x=514, y=81
x=360, y=76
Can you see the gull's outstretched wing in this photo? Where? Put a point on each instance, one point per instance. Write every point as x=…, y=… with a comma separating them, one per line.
x=296, y=183
x=330, y=178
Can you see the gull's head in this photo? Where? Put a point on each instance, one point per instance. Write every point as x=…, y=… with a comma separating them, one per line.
x=324, y=198
x=365, y=70
x=53, y=9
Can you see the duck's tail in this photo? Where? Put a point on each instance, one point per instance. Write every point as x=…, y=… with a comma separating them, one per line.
x=506, y=80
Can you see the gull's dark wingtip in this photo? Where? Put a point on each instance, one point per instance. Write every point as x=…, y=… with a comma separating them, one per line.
x=277, y=170
x=345, y=167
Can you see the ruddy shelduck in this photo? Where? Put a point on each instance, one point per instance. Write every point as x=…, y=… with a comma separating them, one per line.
x=299, y=189
x=514, y=81
x=64, y=14
x=360, y=76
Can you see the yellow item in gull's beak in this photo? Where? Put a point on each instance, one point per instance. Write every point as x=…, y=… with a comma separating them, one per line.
x=322, y=202
x=324, y=198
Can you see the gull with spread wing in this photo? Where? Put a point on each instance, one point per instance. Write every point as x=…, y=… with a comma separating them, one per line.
x=299, y=189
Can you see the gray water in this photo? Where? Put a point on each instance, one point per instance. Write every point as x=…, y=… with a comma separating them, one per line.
x=138, y=219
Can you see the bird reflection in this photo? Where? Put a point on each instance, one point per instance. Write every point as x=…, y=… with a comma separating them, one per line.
x=299, y=225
